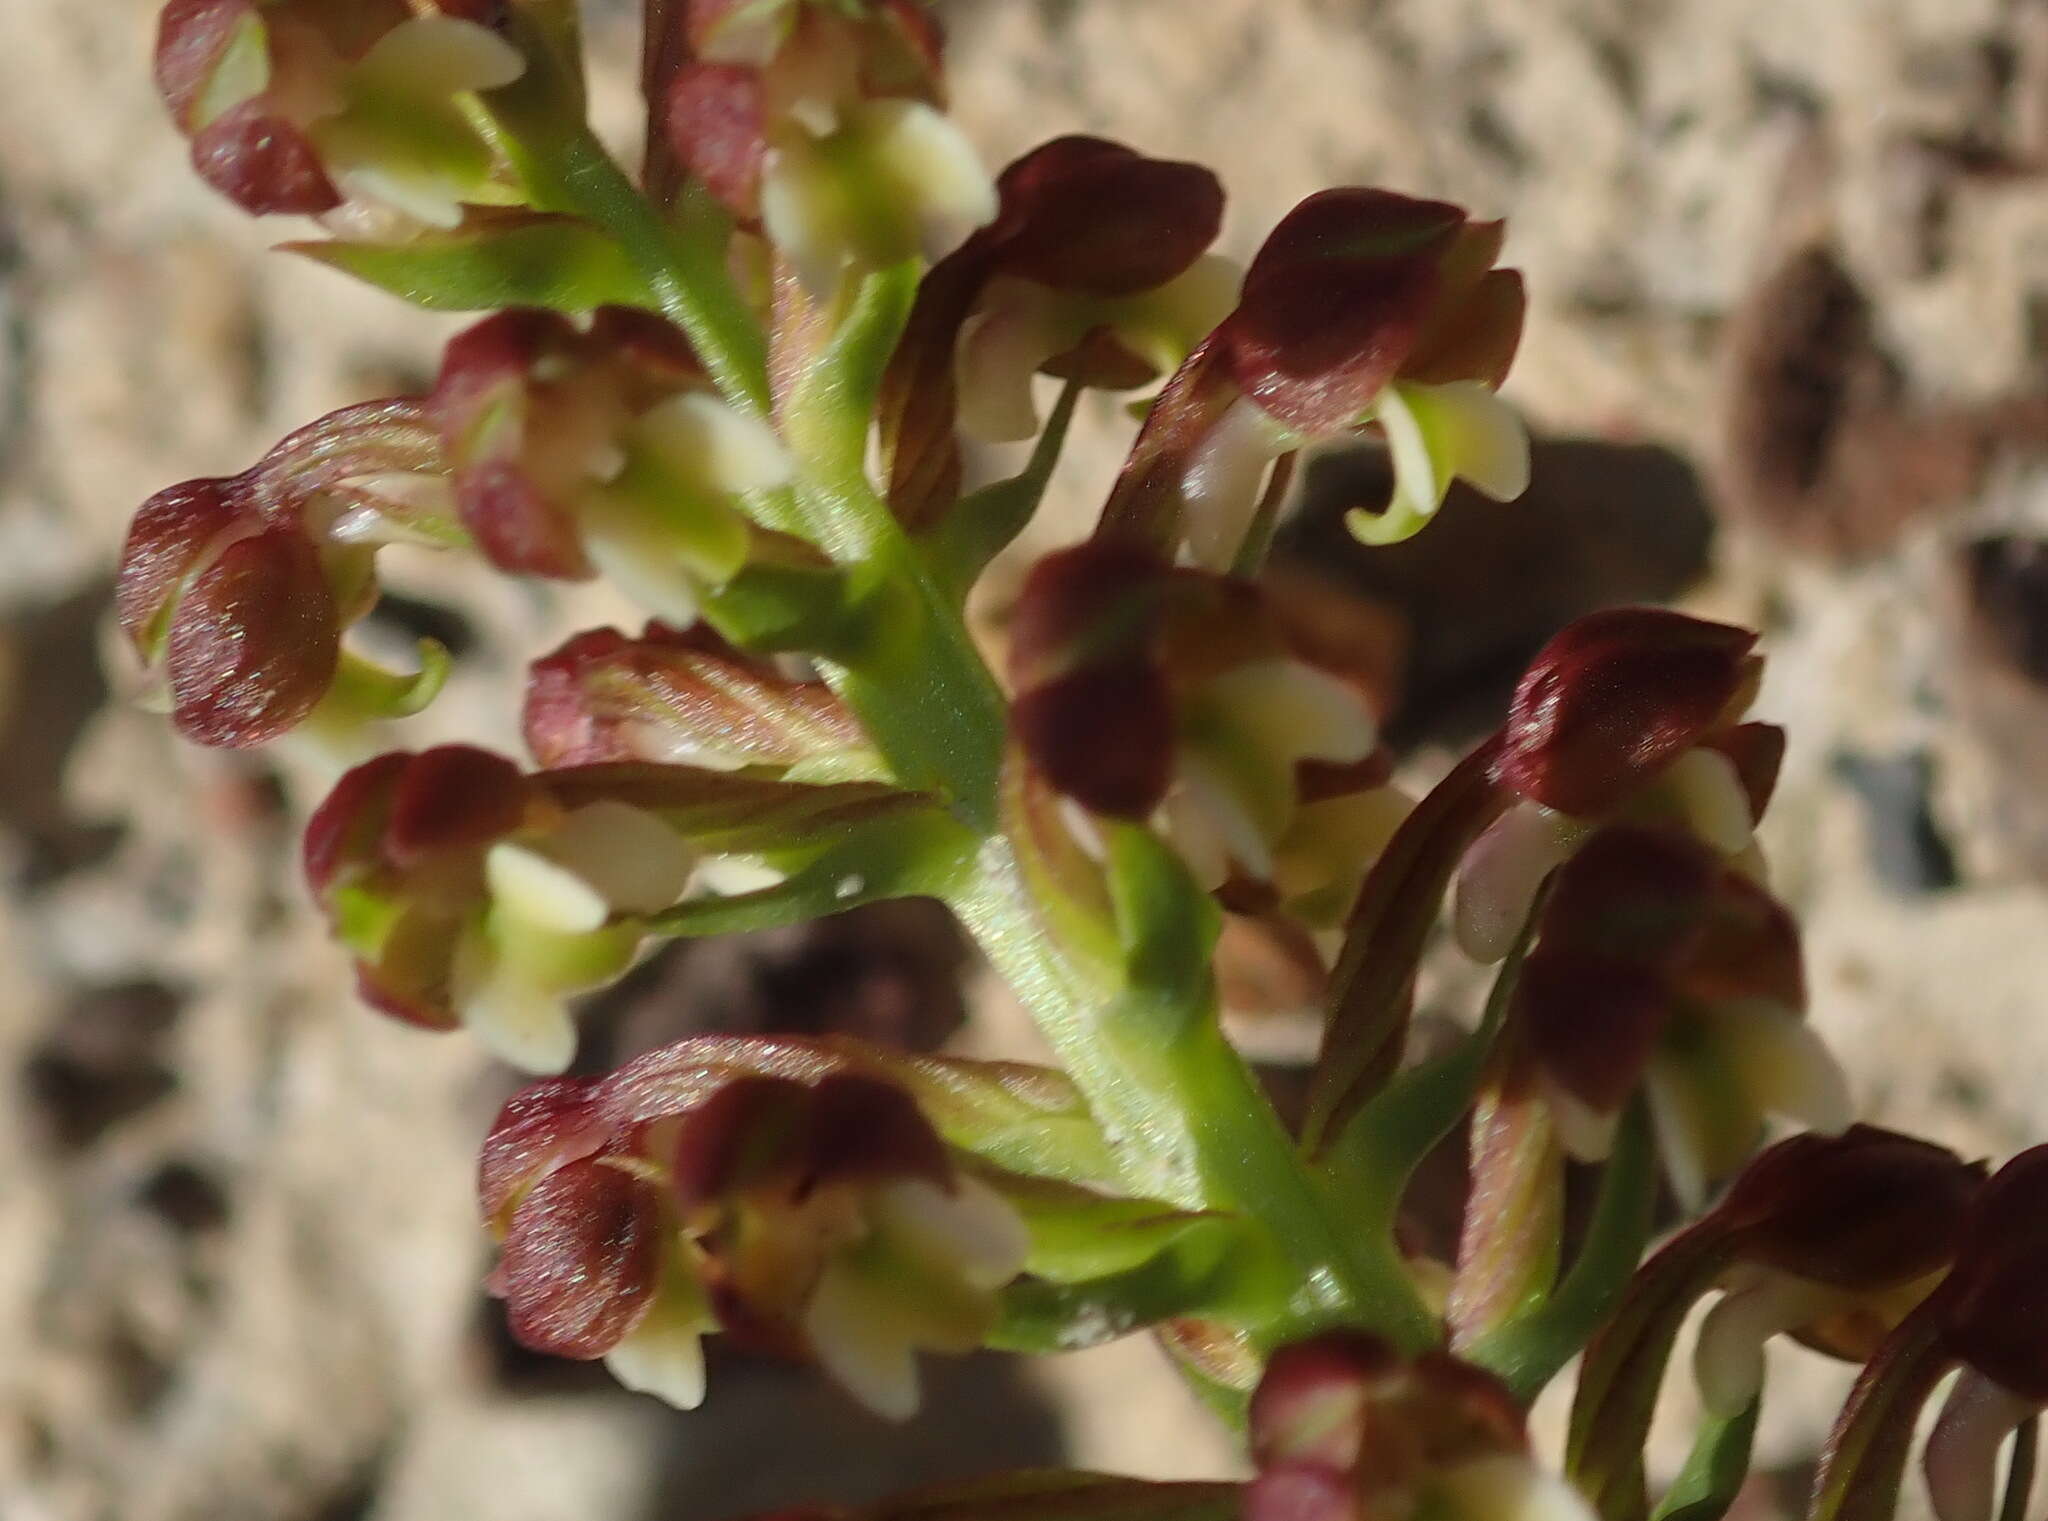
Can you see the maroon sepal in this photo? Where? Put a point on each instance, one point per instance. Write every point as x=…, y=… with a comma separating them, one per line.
x=1997, y=1296
x=1614, y=698
x=1372, y=988
x=581, y=1259
x=605, y=697
x=253, y=643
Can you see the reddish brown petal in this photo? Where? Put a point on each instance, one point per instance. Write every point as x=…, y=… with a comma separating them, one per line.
x=1473, y=338
x=172, y=534
x=744, y=1128
x=1372, y=988
x=1613, y=699
x=408, y=1006
x=1300, y=1492
x=1866, y=1210
x=1103, y=736
x=540, y=1127
x=253, y=642
x=1998, y=1308
x=1085, y=214
x=1310, y=1404
x=653, y=353
x=580, y=1260
x=1638, y=895
x=454, y=797
x=518, y=528
x=346, y=829
x=604, y=697
x=1081, y=605
x=1757, y=751
x=1334, y=303
x=189, y=38
x=1591, y=1022
x=483, y=360
x=865, y=1130
x=263, y=163
x=715, y=126
x=1747, y=947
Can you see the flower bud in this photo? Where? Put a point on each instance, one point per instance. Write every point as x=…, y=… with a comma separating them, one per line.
x=301, y=105
x=235, y=592
x=1363, y=308
x=470, y=894
x=817, y=1215
x=601, y=449
x=820, y=124
x=1344, y=1428
x=685, y=697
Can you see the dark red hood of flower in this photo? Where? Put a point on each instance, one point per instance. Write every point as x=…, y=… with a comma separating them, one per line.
x=1614, y=698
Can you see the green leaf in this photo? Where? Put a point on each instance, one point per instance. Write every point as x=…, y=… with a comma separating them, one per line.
x=1078, y=1233
x=1714, y=1470
x=495, y=259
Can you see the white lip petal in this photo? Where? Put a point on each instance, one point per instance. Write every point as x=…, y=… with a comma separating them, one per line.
x=640, y=564
x=711, y=442
x=631, y=858
x=974, y=1228
x=1586, y=1134
x=1475, y=436
x=1498, y=879
x=543, y=892
x=1679, y=1142
x=1728, y=1359
x=437, y=56
x=1220, y=490
x=1783, y=1063
x=1710, y=792
x=664, y=1357
x=1207, y=790
x=1509, y=1487
x=426, y=198
x=521, y=1025
x=995, y=360
x=936, y=167
x=1296, y=709
x=1961, y=1457
x=860, y=1344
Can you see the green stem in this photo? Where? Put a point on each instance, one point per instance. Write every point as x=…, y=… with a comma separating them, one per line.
x=1189, y=1122
x=541, y=127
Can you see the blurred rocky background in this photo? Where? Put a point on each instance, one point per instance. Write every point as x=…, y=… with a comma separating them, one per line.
x=1790, y=277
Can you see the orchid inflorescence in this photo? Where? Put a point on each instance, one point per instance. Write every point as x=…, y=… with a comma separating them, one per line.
x=752, y=388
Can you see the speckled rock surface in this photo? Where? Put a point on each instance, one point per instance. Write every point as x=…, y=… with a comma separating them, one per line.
x=239, y=1271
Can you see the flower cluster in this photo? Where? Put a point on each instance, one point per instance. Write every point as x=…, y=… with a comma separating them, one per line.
x=806, y=1208
x=750, y=389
